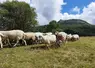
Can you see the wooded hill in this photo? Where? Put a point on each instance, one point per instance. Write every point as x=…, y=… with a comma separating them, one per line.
x=77, y=26
x=73, y=26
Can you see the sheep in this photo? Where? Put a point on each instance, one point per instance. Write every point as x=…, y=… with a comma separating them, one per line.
x=63, y=36
x=48, y=40
x=75, y=37
x=38, y=37
x=51, y=40
x=30, y=37
x=69, y=37
x=14, y=35
x=5, y=39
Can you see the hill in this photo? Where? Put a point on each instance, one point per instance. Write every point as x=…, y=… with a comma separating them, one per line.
x=73, y=22
x=78, y=26
x=72, y=26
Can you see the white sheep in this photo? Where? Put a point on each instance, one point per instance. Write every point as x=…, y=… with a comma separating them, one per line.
x=14, y=35
x=62, y=36
x=30, y=37
x=75, y=37
x=69, y=37
x=49, y=39
x=38, y=37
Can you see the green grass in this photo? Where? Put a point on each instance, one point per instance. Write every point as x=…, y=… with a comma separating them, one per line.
x=78, y=54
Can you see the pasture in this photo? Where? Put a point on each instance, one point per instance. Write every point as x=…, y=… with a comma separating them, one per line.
x=78, y=54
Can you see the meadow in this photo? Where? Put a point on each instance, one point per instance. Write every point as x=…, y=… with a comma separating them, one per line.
x=78, y=54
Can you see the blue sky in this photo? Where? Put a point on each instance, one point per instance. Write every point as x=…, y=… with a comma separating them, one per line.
x=72, y=3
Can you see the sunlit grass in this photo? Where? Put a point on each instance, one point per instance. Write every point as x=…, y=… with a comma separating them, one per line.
x=78, y=54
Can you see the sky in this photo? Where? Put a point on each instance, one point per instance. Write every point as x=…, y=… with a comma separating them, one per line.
x=48, y=10
x=73, y=3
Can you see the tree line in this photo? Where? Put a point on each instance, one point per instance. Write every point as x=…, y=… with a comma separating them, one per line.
x=72, y=26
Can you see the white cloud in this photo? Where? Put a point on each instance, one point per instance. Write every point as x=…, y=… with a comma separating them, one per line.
x=88, y=14
x=76, y=9
x=1, y=1
x=42, y=20
x=51, y=9
x=67, y=16
x=48, y=9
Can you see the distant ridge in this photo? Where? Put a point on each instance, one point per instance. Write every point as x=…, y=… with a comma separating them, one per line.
x=73, y=22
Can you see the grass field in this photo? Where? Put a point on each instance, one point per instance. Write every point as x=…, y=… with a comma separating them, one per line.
x=79, y=54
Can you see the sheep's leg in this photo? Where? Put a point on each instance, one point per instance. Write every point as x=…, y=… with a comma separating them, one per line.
x=9, y=43
x=1, y=44
x=47, y=46
x=58, y=43
x=16, y=43
x=64, y=42
x=24, y=42
x=36, y=41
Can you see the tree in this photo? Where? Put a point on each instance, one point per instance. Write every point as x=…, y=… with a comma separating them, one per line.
x=53, y=26
x=17, y=15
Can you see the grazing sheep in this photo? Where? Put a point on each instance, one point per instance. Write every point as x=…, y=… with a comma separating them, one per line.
x=12, y=35
x=49, y=39
x=62, y=35
x=75, y=37
x=30, y=37
x=38, y=37
x=69, y=37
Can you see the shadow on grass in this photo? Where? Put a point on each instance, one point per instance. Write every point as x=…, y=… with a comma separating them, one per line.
x=44, y=47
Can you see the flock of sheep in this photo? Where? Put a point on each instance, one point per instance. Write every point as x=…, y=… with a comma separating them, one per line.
x=13, y=37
